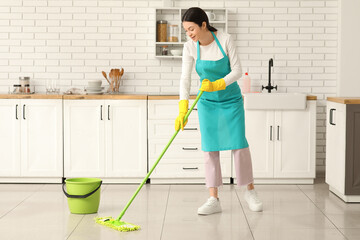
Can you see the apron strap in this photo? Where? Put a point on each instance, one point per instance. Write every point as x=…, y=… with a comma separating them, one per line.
x=219, y=45
x=198, y=50
x=217, y=42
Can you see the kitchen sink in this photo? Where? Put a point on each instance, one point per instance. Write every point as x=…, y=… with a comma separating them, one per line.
x=293, y=101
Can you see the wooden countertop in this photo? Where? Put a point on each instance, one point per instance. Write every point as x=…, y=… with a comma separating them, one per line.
x=167, y=97
x=176, y=97
x=344, y=100
x=105, y=96
x=64, y=96
x=311, y=98
x=115, y=96
x=31, y=96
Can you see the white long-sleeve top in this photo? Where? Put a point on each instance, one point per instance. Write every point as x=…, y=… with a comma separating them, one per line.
x=209, y=52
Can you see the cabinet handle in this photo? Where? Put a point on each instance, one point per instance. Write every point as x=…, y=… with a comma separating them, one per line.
x=24, y=112
x=108, y=112
x=331, y=116
x=278, y=133
x=190, y=168
x=101, y=117
x=16, y=112
x=190, y=148
x=190, y=129
x=271, y=133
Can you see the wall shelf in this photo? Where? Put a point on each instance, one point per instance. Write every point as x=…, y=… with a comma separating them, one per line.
x=173, y=17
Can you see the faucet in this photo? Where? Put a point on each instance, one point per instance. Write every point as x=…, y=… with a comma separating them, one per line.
x=269, y=87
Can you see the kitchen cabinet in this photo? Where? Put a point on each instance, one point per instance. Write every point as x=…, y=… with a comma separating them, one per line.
x=106, y=139
x=342, y=148
x=31, y=140
x=10, y=138
x=173, y=17
x=183, y=162
x=282, y=144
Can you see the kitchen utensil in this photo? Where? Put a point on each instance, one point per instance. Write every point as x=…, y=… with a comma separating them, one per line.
x=119, y=225
x=111, y=75
x=105, y=76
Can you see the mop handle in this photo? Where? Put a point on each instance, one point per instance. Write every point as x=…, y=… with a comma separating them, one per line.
x=158, y=160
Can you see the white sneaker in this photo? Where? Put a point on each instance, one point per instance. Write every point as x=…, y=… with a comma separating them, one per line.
x=211, y=206
x=253, y=201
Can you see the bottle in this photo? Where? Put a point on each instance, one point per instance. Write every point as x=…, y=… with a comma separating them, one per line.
x=246, y=83
x=164, y=50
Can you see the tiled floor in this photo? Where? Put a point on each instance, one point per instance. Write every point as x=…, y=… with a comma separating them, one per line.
x=168, y=212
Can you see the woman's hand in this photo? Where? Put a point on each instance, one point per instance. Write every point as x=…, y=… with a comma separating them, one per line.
x=208, y=86
x=183, y=108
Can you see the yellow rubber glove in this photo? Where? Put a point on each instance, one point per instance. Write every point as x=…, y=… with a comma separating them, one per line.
x=183, y=108
x=208, y=86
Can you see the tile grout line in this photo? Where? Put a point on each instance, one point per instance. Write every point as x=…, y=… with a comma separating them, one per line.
x=167, y=202
x=242, y=208
x=321, y=211
x=75, y=227
x=1, y=217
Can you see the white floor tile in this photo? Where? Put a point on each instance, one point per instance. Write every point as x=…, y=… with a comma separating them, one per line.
x=169, y=212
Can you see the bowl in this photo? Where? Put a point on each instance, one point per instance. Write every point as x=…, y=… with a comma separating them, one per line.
x=94, y=83
x=176, y=52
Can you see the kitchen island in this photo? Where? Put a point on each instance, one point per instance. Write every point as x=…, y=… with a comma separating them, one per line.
x=343, y=147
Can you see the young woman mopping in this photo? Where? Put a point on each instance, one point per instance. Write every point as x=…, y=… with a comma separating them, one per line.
x=220, y=109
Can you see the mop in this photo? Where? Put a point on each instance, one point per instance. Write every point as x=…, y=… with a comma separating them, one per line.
x=122, y=226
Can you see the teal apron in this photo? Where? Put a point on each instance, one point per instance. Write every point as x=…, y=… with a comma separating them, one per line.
x=221, y=113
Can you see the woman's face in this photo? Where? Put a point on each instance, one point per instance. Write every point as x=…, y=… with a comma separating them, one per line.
x=193, y=30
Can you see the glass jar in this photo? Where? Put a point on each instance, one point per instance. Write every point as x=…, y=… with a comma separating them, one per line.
x=164, y=50
x=161, y=31
x=173, y=33
x=27, y=88
x=16, y=88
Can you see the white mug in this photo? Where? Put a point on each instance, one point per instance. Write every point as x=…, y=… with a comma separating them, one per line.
x=211, y=16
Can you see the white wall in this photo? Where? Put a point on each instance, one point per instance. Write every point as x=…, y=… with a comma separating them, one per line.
x=349, y=49
x=74, y=40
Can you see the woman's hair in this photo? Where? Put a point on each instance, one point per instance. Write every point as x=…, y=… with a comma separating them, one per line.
x=198, y=16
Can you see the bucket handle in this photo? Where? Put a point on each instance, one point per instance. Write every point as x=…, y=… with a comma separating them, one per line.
x=79, y=196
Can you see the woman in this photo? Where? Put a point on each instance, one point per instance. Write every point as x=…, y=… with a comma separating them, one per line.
x=220, y=108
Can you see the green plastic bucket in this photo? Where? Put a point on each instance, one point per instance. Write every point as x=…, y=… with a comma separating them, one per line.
x=83, y=194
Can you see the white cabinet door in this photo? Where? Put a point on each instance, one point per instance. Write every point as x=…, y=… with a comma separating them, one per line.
x=295, y=143
x=126, y=138
x=335, y=145
x=84, y=128
x=10, y=137
x=41, y=138
x=260, y=135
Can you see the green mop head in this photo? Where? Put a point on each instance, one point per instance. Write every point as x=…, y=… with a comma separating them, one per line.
x=117, y=225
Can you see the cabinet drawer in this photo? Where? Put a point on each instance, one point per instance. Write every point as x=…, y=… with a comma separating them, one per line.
x=186, y=170
x=168, y=109
x=166, y=128
x=180, y=148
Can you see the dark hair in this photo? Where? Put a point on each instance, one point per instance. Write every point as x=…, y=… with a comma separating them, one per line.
x=198, y=16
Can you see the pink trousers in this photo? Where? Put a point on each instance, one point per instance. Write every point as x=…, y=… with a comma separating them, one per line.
x=243, y=168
